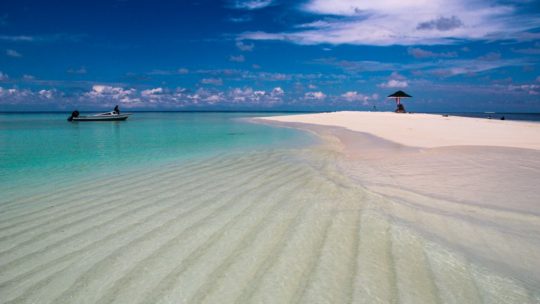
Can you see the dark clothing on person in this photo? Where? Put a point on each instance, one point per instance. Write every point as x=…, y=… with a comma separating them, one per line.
x=116, y=110
x=400, y=108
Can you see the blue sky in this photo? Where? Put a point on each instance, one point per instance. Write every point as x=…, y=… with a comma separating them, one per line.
x=451, y=55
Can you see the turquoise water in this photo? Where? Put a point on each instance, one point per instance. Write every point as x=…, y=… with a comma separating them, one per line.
x=35, y=147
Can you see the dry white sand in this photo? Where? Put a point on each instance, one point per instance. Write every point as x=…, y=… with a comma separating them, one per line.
x=428, y=130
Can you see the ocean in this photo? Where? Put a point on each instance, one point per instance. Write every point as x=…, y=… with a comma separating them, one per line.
x=37, y=148
x=211, y=208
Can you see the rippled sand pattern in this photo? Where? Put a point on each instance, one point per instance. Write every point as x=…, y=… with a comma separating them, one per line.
x=272, y=227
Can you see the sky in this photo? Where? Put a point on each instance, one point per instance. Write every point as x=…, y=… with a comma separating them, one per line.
x=270, y=55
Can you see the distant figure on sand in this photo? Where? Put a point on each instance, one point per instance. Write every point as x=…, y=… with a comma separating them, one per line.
x=116, y=110
x=397, y=96
x=400, y=109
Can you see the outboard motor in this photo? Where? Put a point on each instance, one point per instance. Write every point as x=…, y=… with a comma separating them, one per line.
x=73, y=114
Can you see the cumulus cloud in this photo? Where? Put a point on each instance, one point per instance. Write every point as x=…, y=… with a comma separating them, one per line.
x=353, y=96
x=413, y=22
x=394, y=83
x=315, y=95
x=47, y=94
x=251, y=97
x=152, y=93
x=110, y=93
x=13, y=53
x=16, y=96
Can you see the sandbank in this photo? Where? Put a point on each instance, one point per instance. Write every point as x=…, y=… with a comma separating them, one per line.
x=469, y=184
x=429, y=130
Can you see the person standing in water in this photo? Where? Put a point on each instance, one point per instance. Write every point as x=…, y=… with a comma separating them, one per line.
x=116, y=110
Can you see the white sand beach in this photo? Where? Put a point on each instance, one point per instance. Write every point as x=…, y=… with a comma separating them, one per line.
x=353, y=219
x=429, y=130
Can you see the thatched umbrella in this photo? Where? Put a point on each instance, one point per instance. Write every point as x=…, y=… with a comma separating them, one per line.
x=398, y=95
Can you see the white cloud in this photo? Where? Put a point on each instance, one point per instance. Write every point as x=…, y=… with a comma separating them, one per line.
x=13, y=53
x=152, y=93
x=412, y=22
x=212, y=81
x=244, y=47
x=110, y=93
x=183, y=71
x=249, y=96
x=47, y=94
x=531, y=89
x=252, y=4
x=28, y=77
x=444, y=68
x=239, y=58
x=355, y=97
x=393, y=83
x=277, y=91
x=315, y=95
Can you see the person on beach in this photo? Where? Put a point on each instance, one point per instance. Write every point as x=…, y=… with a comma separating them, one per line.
x=116, y=110
x=400, y=108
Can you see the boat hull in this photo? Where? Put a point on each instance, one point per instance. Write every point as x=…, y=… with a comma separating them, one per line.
x=101, y=118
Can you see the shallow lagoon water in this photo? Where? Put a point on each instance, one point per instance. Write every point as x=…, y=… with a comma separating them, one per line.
x=272, y=219
x=36, y=148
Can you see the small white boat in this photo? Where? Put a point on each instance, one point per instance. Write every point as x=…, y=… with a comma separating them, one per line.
x=108, y=116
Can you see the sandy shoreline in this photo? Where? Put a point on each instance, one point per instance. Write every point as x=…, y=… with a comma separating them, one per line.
x=470, y=184
x=428, y=130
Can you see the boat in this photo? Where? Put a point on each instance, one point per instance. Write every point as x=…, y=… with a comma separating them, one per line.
x=107, y=116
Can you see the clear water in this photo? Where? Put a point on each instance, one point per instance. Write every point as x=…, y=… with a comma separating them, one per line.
x=210, y=209
x=36, y=147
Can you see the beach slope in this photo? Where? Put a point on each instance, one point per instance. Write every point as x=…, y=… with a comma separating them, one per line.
x=467, y=184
